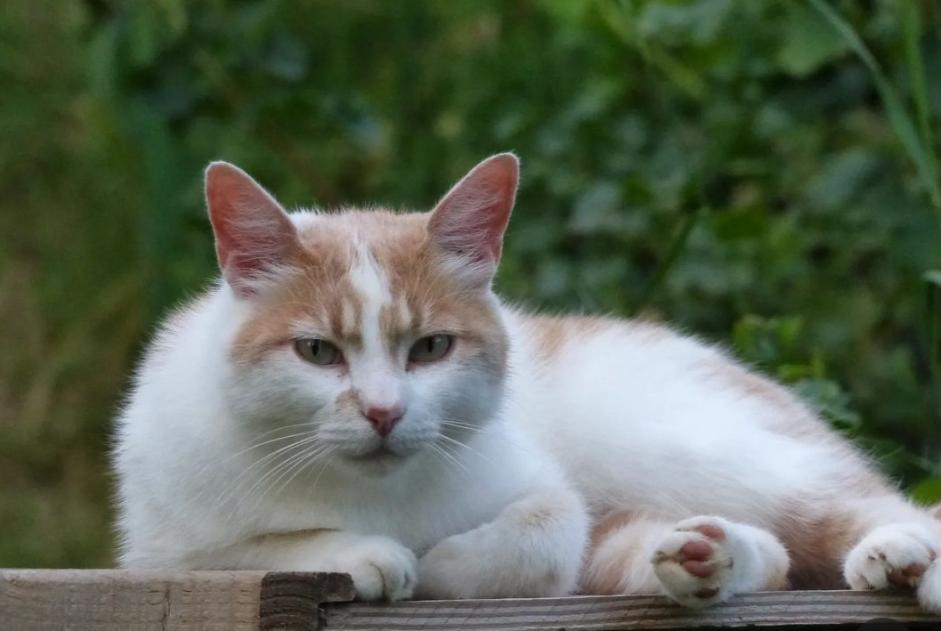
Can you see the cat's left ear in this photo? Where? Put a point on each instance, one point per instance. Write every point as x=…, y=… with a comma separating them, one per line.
x=253, y=233
x=469, y=222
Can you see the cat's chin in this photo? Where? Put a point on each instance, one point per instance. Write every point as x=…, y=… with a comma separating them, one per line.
x=377, y=462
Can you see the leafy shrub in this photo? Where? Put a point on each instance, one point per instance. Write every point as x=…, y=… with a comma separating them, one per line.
x=762, y=173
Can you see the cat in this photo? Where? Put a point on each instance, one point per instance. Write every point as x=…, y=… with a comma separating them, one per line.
x=352, y=396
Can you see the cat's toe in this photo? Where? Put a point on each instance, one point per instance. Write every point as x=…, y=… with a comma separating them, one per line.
x=694, y=563
x=929, y=588
x=897, y=555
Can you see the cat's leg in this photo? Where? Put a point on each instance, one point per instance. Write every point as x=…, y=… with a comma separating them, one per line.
x=622, y=545
x=899, y=547
x=533, y=548
x=697, y=562
x=381, y=568
x=877, y=541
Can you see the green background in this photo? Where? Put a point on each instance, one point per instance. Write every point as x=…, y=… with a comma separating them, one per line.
x=762, y=173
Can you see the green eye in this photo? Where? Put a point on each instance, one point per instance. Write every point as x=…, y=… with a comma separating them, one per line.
x=317, y=351
x=431, y=348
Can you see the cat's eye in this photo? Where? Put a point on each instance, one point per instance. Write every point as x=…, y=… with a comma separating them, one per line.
x=430, y=348
x=317, y=351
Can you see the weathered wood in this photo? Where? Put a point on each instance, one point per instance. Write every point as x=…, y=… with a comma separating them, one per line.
x=788, y=610
x=114, y=600
x=117, y=600
x=108, y=600
x=290, y=601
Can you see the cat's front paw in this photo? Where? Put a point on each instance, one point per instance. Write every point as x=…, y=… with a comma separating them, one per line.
x=381, y=569
x=898, y=555
x=453, y=569
x=695, y=562
x=481, y=564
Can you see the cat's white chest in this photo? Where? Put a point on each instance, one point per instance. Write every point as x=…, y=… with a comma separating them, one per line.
x=430, y=500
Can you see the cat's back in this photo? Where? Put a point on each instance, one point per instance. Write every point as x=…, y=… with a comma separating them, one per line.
x=578, y=351
x=631, y=407
x=605, y=374
x=649, y=367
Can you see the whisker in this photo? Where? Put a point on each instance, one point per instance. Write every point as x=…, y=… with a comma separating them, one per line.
x=326, y=457
x=461, y=425
x=288, y=475
x=230, y=457
x=263, y=443
x=460, y=444
x=303, y=441
x=450, y=458
x=312, y=457
x=234, y=485
x=259, y=489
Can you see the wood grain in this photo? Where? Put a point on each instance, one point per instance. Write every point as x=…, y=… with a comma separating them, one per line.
x=112, y=600
x=118, y=600
x=115, y=600
x=290, y=601
x=804, y=610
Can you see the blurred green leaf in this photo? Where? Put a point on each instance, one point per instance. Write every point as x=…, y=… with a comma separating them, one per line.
x=919, y=152
x=927, y=492
x=808, y=42
x=723, y=165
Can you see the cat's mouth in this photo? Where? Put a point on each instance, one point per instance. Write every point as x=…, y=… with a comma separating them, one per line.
x=381, y=454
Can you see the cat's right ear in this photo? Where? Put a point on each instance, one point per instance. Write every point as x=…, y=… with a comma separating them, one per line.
x=469, y=222
x=253, y=233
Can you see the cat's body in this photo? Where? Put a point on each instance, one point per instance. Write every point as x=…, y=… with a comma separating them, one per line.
x=528, y=454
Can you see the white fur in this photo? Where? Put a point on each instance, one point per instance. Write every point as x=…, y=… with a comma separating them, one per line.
x=378, y=381
x=207, y=478
x=620, y=418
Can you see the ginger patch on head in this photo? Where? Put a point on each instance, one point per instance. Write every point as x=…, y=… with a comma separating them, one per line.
x=370, y=278
x=315, y=294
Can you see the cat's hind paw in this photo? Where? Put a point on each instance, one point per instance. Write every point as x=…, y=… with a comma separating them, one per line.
x=901, y=556
x=896, y=555
x=695, y=563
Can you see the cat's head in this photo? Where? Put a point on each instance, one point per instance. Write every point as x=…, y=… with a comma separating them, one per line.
x=371, y=335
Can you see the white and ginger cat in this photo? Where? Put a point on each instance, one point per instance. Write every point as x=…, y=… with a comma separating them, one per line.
x=353, y=397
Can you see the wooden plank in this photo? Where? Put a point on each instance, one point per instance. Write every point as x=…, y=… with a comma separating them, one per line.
x=290, y=601
x=111, y=600
x=115, y=600
x=794, y=610
x=118, y=600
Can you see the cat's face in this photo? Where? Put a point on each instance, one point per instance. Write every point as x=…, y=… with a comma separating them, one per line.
x=372, y=336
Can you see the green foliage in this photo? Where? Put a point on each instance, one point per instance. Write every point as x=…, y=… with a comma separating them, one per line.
x=762, y=173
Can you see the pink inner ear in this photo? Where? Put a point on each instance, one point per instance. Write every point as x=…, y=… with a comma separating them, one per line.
x=252, y=230
x=472, y=217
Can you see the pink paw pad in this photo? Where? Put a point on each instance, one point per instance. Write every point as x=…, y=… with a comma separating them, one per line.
x=907, y=576
x=694, y=557
x=694, y=562
x=712, y=531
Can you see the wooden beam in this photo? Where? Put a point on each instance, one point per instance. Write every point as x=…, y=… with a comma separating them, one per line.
x=769, y=610
x=291, y=601
x=119, y=600
x=116, y=600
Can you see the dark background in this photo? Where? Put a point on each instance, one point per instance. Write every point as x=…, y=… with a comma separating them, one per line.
x=762, y=173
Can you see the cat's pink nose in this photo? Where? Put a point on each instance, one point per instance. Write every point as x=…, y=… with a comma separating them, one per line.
x=384, y=419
